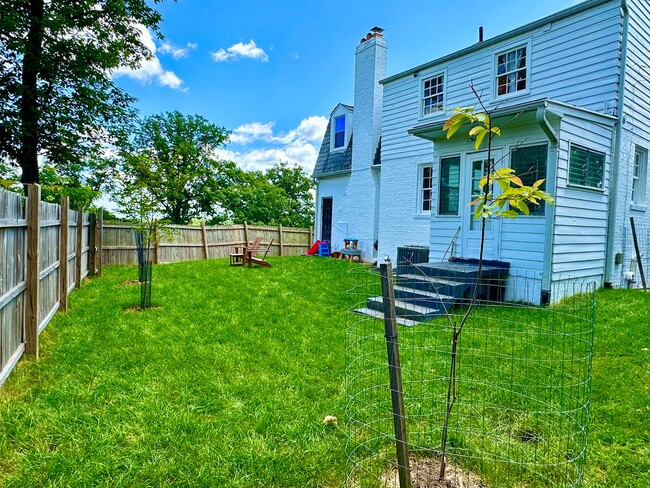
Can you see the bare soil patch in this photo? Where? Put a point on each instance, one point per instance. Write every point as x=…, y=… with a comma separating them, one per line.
x=129, y=283
x=425, y=473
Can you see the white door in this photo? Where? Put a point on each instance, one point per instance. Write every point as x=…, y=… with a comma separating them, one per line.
x=477, y=165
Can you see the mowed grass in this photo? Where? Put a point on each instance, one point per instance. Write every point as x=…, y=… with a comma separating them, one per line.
x=226, y=383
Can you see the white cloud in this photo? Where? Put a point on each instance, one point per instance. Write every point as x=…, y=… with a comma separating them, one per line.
x=150, y=70
x=295, y=55
x=299, y=146
x=166, y=47
x=240, y=50
x=255, y=131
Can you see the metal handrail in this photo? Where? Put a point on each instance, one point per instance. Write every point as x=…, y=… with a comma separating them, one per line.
x=451, y=244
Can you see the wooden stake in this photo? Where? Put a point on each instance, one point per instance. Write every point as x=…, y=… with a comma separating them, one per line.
x=63, y=253
x=281, y=240
x=79, y=250
x=205, y=240
x=33, y=279
x=638, y=253
x=395, y=372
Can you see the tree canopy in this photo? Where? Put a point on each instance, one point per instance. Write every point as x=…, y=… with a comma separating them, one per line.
x=172, y=158
x=56, y=93
x=280, y=195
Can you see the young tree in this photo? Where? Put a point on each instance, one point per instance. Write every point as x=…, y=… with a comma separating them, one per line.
x=173, y=158
x=511, y=199
x=56, y=92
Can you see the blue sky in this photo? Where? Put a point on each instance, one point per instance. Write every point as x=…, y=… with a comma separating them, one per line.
x=272, y=71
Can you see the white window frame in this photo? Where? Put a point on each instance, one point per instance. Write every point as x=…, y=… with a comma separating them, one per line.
x=422, y=189
x=639, y=177
x=495, y=84
x=443, y=92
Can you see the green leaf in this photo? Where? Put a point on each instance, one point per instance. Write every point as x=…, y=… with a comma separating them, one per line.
x=454, y=123
x=509, y=214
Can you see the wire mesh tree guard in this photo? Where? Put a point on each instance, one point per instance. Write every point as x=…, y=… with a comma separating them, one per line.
x=143, y=245
x=523, y=385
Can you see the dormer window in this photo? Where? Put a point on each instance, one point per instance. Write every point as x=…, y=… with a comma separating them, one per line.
x=433, y=95
x=512, y=71
x=339, y=131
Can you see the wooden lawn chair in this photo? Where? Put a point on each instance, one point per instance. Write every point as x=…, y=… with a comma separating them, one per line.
x=260, y=261
x=240, y=253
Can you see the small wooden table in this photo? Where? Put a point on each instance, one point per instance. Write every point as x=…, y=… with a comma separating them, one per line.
x=350, y=254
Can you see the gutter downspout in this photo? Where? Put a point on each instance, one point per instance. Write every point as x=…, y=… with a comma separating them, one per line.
x=551, y=187
x=616, y=154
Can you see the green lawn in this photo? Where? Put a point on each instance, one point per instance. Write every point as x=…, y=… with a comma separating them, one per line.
x=226, y=383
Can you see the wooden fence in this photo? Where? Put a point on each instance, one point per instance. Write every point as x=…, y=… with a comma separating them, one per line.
x=188, y=243
x=45, y=251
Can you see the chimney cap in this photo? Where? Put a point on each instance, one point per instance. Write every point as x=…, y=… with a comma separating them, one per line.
x=376, y=30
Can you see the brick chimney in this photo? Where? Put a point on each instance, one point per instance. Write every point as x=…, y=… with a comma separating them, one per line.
x=370, y=67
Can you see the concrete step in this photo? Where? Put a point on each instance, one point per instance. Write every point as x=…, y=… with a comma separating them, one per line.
x=419, y=313
x=464, y=270
x=380, y=315
x=430, y=299
x=440, y=285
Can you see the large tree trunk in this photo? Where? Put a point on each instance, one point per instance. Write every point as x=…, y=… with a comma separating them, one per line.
x=29, y=109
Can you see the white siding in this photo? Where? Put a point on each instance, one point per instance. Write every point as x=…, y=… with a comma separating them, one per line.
x=574, y=60
x=634, y=133
x=579, y=243
x=336, y=188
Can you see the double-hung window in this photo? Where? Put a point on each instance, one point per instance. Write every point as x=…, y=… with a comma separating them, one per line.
x=433, y=96
x=586, y=167
x=512, y=71
x=339, y=131
x=529, y=164
x=639, y=174
x=426, y=186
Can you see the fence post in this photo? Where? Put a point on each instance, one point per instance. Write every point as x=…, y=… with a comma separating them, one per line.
x=33, y=258
x=78, y=252
x=100, y=239
x=246, y=241
x=92, y=244
x=395, y=373
x=156, y=251
x=63, y=253
x=281, y=240
x=205, y=240
x=311, y=236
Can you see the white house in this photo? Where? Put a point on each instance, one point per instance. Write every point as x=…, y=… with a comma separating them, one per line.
x=579, y=83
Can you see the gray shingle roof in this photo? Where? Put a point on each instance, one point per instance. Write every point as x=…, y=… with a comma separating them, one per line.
x=328, y=162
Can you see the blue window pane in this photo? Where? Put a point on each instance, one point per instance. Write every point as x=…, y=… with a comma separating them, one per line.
x=339, y=124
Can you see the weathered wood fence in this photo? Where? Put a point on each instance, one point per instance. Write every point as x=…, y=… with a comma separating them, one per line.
x=188, y=243
x=45, y=251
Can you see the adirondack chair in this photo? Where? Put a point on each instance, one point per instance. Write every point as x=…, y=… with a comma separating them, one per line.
x=260, y=261
x=240, y=254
